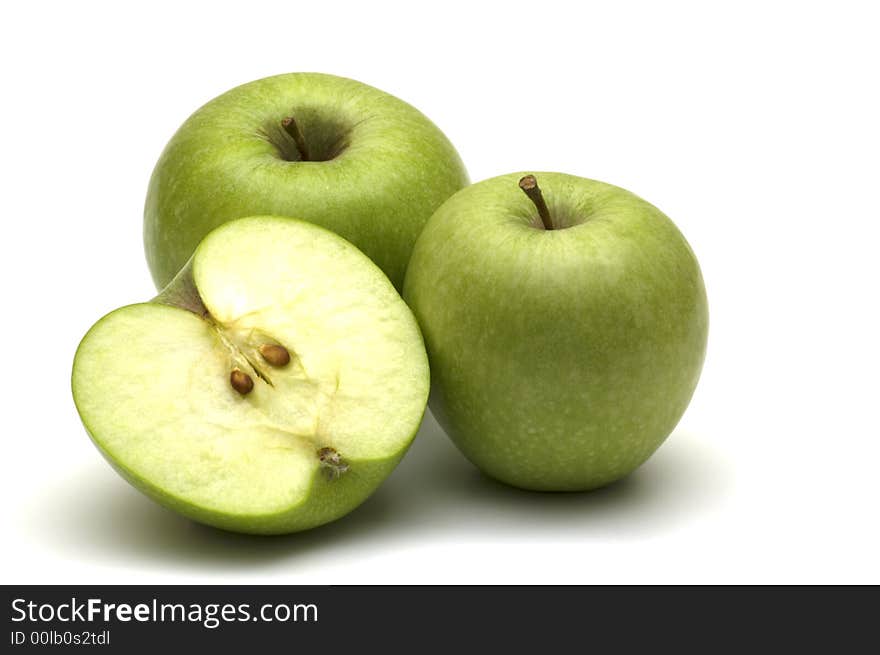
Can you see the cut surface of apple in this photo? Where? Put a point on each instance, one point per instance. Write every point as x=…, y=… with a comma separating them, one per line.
x=270, y=388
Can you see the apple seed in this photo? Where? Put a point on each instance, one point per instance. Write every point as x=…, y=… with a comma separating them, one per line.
x=241, y=381
x=274, y=354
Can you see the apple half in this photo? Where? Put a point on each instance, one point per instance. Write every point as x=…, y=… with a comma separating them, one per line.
x=270, y=388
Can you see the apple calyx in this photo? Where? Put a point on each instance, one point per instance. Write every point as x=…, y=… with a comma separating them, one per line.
x=529, y=185
x=332, y=463
x=290, y=126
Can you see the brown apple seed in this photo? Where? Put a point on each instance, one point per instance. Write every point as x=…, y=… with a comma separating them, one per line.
x=274, y=354
x=241, y=381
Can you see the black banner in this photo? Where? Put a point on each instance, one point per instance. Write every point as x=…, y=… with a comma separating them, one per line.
x=413, y=619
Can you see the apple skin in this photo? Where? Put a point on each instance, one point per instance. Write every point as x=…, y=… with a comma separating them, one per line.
x=560, y=359
x=378, y=169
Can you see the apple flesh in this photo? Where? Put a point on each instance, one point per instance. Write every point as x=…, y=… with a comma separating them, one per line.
x=270, y=388
x=325, y=149
x=561, y=358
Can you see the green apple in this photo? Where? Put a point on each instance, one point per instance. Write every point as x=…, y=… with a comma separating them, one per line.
x=565, y=330
x=270, y=388
x=326, y=149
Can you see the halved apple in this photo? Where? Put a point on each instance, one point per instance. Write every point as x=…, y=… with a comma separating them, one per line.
x=270, y=388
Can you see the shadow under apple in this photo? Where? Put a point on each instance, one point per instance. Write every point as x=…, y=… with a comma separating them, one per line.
x=434, y=493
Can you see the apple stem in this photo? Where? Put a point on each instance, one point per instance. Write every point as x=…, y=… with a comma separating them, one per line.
x=530, y=186
x=296, y=134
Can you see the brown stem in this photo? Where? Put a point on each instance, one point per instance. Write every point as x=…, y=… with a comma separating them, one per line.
x=296, y=134
x=530, y=186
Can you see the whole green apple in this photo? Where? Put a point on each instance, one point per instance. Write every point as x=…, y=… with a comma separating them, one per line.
x=326, y=149
x=270, y=388
x=565, y=329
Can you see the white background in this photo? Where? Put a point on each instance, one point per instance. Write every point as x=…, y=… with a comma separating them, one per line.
x=753, y=125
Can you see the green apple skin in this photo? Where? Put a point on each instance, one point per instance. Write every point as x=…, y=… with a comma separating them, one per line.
x=151, y=380
x=328, y=500
x=378, y=169
x=561, y=359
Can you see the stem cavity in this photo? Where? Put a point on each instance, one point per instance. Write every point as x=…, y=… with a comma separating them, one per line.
x=290, y=126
